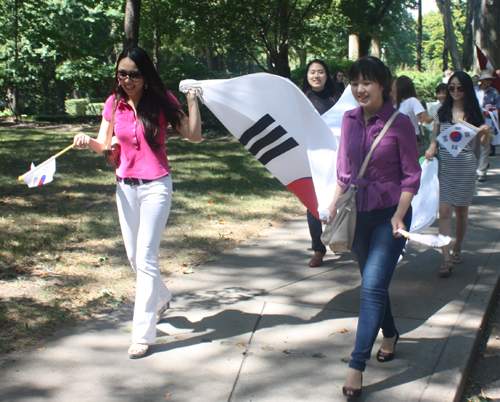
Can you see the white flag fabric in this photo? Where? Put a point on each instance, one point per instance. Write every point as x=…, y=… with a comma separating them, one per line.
x=333, y=117
x=276, y=122
x=455, y=138
x=427, y=239
x=41, y=174
x=491, y=120
x=425, y=203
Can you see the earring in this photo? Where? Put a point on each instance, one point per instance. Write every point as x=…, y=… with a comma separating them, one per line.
x=146, y=86
x=118, y=83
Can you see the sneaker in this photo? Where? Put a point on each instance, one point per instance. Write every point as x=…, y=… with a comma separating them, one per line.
x=481, y=179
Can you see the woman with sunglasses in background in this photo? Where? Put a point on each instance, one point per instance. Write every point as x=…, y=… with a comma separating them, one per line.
x=457, y=175
x=141, y=109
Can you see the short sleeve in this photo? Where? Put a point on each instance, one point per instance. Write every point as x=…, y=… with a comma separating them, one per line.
x=416, y=106
x=107, y=111
x=436, y=116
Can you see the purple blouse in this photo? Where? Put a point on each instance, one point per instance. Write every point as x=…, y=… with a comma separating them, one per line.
x=393, y=166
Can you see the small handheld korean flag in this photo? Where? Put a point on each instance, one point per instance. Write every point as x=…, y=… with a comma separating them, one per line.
x=40, y=175
x=43, y=173
x=455, y=138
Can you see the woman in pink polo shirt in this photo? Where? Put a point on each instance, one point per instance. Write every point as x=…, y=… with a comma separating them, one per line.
x=141, y=109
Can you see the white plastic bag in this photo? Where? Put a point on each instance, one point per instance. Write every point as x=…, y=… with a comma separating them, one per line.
x=426, y=203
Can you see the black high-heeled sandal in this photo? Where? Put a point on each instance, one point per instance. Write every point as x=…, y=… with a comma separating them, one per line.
x=352, y=392
x=383, y=357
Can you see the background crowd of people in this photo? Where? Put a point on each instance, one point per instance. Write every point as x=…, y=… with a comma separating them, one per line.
x=386, y=189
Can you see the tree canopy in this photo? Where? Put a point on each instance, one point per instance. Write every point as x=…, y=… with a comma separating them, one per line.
x=52, y=50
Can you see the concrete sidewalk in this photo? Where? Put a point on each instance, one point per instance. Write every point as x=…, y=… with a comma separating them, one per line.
x=259, y=325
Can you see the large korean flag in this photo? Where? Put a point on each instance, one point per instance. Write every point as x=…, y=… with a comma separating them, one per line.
x=276, y=122
x=455, y=138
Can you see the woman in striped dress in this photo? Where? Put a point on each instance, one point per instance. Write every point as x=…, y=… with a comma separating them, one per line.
x=457, y=175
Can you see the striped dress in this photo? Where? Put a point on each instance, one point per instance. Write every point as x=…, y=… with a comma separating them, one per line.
x=457, y=175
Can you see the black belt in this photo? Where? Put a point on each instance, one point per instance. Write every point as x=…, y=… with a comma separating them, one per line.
x=131, y=181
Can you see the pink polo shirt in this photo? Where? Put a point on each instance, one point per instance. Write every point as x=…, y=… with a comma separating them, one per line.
x=137, y=159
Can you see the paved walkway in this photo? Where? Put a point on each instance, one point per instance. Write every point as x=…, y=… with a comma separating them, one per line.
x=259, y=325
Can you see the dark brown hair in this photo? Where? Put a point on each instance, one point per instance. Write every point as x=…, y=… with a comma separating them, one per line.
x=154, y=98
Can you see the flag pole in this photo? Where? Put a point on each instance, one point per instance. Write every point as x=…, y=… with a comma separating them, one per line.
x=20, y=178
x=468, y=125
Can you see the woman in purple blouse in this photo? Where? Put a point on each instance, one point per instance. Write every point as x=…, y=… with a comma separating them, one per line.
x=141, y=109
x=384, y=198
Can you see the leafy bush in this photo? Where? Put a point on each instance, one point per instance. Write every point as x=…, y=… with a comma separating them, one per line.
x=5, y=113
x=76, y=107
x=95, y=108
x=425, y=83
x=65, y=119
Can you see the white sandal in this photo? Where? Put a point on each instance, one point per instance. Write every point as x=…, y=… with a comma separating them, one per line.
x=137, y=350
x=162, y=310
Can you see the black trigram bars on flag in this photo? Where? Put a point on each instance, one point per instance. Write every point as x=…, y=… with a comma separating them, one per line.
x=273, y=136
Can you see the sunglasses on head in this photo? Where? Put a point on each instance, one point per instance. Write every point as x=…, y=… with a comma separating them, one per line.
x=134, y=76
x=458, y=88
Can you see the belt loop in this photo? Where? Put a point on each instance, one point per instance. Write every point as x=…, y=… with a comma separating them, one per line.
x=140, y=182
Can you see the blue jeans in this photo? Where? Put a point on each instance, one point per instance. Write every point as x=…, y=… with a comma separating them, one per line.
x=377, y=251
x=315, y=229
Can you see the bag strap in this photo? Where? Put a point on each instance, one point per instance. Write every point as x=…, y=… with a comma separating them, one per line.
x=375, y=143
x=111, y=125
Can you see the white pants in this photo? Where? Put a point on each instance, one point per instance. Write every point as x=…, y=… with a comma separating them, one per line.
x=143, y=211
x=484, y=157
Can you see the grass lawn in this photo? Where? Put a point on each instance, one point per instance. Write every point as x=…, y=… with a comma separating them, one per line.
x=62, y=258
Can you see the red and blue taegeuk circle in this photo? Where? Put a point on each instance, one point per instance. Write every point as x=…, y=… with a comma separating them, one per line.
x=456, y=136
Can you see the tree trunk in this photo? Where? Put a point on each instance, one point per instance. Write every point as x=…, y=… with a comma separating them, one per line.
x=375, y=49
x=302, y=53
x=419, y=37
x=445, y=57
x=131, y=25
x=280, y=62
x=14, y=103
x=449, y=33
x=486, y=16
x=365, y=44
x=468, y=49
x=353, y=47
x=156, y=46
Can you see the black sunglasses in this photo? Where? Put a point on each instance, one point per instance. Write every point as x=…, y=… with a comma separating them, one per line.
x=134, y=76
x=458, y=88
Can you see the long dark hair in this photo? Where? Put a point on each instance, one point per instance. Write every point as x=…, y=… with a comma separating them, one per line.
x=472, y=111
x=330, y=88
x=404, y=89
x=154, y=98
x=373, y=69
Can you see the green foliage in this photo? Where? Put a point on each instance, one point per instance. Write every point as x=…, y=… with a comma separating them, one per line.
x=75, y=38
x=433, y=34
x=94, y=108
x=400, y=42
x=425, y=83
x=66, y=119
x=5, y=113
x=76, y=107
